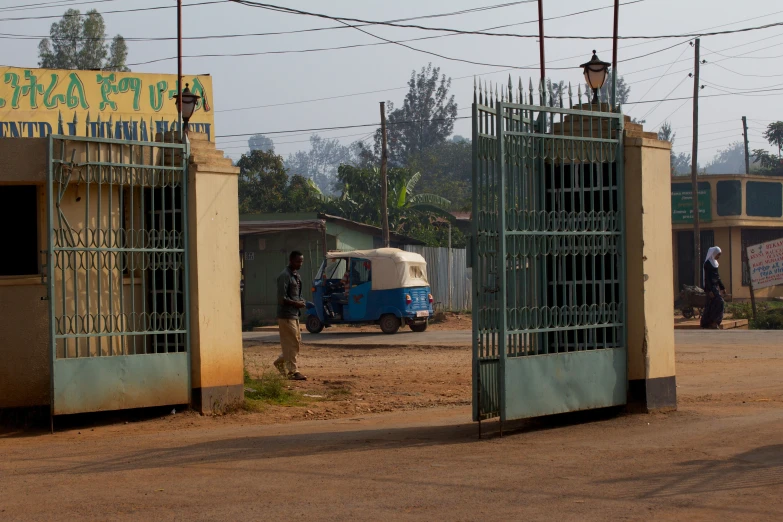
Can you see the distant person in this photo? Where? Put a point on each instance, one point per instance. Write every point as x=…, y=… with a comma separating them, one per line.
x=713, y=313
x=289, y=304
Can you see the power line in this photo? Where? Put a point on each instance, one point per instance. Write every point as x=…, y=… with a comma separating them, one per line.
x=112, y=12
x=753, y=75
x=660, y=77
x=664, y=99
x=457, y=118
x=289, y=10
x=703, y=96
x=51, y=5
x=277, y=33
x=341, y=127
x=501, y=70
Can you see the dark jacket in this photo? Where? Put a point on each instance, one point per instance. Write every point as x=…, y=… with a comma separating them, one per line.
x=289, y=289
x=712, y=282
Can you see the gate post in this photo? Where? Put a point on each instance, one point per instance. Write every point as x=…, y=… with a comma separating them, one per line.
x=215, y=308
x=649, y=272
x=502, y=319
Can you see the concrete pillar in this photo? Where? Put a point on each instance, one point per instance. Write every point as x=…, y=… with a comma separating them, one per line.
x=650, y=294
x=215, y=307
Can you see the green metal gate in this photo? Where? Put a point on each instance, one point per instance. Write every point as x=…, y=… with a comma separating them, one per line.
x=548, y=255
x=117, y=272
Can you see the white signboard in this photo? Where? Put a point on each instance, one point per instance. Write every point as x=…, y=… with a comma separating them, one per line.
x=766, y=264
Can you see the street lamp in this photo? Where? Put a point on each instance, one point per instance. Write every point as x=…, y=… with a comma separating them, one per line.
x=596, y=72
x=187, y=105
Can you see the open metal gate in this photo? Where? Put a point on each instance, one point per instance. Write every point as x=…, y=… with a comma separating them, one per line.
x=117, y=274
x=547, y=255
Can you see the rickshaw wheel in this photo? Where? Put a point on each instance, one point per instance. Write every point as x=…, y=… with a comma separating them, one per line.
x=390, y=323
x=314, y=325
x=419, y=327
x=688, y=312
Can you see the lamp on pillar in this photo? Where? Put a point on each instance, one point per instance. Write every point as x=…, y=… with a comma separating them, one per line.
x=596, y=72
x=188, y=105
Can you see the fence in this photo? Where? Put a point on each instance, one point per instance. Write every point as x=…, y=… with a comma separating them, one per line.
x=441, y=278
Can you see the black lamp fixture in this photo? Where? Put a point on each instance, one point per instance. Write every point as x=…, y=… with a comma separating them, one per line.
x=596, y=72
x=187, y=104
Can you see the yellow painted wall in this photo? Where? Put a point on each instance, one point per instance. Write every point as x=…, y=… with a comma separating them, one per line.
x=33, y=100
x=215, y=294
x=649, y=254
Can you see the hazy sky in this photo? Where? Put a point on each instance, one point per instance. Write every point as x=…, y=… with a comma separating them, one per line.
x=275, y=79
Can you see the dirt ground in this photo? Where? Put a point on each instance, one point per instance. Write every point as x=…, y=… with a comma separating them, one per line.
x=390, y=438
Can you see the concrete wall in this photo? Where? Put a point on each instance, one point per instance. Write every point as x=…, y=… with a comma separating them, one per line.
x=216, y=347
x=649, y=273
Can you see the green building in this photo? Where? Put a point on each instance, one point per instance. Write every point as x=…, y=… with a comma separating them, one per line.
x=265, y=241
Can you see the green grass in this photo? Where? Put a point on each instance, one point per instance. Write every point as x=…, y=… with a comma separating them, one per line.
x=270, y=388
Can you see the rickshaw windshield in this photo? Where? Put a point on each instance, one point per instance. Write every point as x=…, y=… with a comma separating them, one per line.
x=333, y=268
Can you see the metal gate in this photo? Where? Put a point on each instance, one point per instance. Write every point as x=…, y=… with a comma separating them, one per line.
x=117, y=274
x=548, y=255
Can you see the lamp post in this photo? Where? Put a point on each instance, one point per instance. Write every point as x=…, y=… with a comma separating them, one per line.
x=596, y=72
x=187, y=102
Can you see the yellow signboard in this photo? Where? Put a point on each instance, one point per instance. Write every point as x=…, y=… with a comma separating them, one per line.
x=133, y=106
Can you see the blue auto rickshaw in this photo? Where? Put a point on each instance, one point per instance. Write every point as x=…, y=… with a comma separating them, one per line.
x=386, y=286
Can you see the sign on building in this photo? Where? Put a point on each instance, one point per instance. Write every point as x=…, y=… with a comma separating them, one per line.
x=766, y=264
x=682, y=203
x=37, y=102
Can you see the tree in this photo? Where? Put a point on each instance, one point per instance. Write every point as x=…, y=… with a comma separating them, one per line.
x=774, y=135
x=79, y=42
x=730, y=160
x=680, y=163
x=265, y=187
x=769, y=164
x=447, y=170
x=623, y=89
x=426, y=117
x=321, y=162
x=421, y=215
x=261, y=142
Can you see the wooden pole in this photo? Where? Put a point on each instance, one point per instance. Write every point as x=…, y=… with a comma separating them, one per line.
x=384, y=181
x=448, y=275
x=179, y=68
x=614, y=53
x=747, y=154
x=541, y=41
x=695, y=171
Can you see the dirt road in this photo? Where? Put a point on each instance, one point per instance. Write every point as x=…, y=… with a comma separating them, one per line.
x=719, y=457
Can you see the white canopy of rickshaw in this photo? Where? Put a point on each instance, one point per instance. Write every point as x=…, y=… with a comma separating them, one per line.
x=391, y=268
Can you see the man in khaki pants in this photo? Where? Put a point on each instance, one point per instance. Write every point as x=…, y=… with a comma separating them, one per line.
x=289, y=302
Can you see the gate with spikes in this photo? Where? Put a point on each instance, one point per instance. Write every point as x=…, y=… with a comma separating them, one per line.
x=547, y=253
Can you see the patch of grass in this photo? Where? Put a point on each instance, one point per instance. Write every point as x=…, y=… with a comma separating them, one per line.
x=270, y=388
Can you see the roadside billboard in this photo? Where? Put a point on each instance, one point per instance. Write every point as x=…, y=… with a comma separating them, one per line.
x=124, y=105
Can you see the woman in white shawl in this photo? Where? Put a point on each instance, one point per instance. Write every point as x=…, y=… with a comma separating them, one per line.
x=713, y=286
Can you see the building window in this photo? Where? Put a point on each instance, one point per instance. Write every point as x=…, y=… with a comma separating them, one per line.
x=755, y=236
x=764, y=199
x=729, y=198
x=19, y=215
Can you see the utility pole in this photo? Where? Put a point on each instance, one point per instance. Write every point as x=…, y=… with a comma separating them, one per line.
x=745, y=133
x=384, y=181
x=541, y=42
x=179, y=68
x=695, y=171
x=614, y=54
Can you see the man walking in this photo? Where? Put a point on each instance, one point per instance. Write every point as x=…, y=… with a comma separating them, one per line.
x=289, y=302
